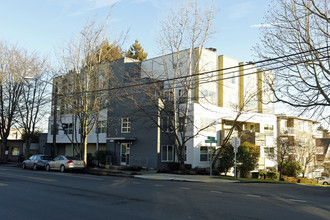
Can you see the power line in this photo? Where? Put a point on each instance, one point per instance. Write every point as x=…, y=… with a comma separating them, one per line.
x=277, y=59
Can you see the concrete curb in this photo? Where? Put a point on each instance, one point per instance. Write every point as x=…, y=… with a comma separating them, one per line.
x=140, y=175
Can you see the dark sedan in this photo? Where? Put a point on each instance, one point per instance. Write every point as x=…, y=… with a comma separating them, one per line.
x=36, y=161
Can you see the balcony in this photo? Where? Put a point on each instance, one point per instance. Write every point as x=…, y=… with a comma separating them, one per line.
x=289, y=131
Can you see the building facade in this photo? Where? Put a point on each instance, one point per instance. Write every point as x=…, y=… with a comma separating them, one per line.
x=299, y=136
x=207, y=92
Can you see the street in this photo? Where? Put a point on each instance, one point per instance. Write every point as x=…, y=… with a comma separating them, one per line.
x=28, y=194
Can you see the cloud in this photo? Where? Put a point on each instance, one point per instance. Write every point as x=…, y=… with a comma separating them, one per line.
x=91, y=5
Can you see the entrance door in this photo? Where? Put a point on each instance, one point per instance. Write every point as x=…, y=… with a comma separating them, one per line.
x=124, y=154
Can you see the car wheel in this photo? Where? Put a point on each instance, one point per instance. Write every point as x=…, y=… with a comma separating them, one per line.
x=34, y=166
x=24, y=166
x=47, y=167
x=62, y=169
x=325, y=183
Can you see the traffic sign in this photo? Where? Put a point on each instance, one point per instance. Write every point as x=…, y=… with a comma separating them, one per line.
x=210, y=140
x=235, y=142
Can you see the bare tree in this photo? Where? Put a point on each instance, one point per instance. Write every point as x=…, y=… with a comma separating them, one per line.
x=32, y=107
x=15, y=65
x=82, y=91
x=298, y=32
x=183, y=34
x=305, y=155
x=284, y=148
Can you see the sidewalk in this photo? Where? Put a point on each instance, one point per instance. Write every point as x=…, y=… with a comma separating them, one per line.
x=152, y=174
x=188, y=178
x=143, y=174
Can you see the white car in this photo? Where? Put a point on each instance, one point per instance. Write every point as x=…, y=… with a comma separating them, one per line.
x=323, y=180
x=63, y=163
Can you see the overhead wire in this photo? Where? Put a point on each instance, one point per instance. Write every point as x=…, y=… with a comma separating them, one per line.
x=252, y=65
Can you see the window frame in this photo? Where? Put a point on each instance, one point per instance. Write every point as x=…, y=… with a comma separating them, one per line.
x=207, y=153
x=167, y=153
x=128, y=125
x=101, y=127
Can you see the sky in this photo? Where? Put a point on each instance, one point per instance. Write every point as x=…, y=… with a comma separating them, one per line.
x=43, y=26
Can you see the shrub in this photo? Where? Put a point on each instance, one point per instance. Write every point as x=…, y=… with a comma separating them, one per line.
x=173, y=166
x=101, y=156
x=262, y=175
x=90, y=159
x=226, y=158
x=307, y=180
x=248, y=157
x=133, y=168
x=292, y=168
x=290, y=179
x=163, y=170
x=188, y=166
x=202, y=171
x=255, y=175
x=273, y=175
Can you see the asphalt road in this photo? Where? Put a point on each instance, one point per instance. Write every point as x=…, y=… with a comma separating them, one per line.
x=28, y=194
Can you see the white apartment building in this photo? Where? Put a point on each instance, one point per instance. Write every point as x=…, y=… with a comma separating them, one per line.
x=217, y=97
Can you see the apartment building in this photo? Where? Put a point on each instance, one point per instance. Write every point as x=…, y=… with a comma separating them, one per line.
x=322, y=163
x=299, y=137
x=216, y=99
x=67, y=133
x=208, y=92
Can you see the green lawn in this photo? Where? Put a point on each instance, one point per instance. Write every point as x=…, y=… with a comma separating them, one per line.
x=263, y=181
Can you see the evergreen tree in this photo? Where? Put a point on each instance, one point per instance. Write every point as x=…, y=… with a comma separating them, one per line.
x=247, y=158
x=105, y=52
x=136, y=52
x=226, y=158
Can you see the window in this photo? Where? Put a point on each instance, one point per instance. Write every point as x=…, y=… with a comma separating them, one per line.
x=104, y=104
x=167, y=153
x=185, y=153
x=233, y=79
x=319, y=150
x=67, y=128
x=181, y=124
x=167, y=123
x=168, y=95
x=52, y=129
x=205, y=153
x=177, y=65
x=269, y=127
x=269, y=152
x=15, y=151
x=182, y=96
x=126, y=125
x=101, y=127
x=208, y=124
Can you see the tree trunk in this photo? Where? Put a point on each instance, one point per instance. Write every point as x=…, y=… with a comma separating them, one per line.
x=85, y=150
x=27, y=148
x=3, y=149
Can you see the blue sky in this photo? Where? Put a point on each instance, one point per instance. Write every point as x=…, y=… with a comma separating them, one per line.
x=43, y=25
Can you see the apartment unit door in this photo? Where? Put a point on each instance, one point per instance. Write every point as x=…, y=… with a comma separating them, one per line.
x=124, y=154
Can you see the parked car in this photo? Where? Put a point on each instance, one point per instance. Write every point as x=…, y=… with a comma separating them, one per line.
x=63, y=163
x=36, y=161
x=323, y=180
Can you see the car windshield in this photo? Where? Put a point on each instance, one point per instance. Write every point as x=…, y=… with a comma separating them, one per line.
x=46, y=157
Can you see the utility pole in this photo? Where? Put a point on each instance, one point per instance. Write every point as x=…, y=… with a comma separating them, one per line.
x=54, y=146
